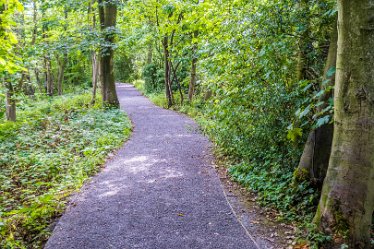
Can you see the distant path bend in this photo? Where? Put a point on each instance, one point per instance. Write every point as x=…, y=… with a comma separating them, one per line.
x=159, y=192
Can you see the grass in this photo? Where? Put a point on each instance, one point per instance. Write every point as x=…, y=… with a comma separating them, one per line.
x=193, y=110
x=56, y=145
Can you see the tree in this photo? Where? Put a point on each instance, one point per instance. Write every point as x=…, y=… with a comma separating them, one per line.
x=94, y=54
x=64, y=60
x=315, y=158
x=193, y=80
x=347, y=201
x=108, y=16
x=8, y=60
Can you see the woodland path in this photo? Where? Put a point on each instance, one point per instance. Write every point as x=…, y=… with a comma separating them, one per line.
x=159, y=192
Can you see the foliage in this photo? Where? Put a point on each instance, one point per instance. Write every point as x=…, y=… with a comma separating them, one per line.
x=154, y=78
x=124, y=68
x=8, y=59
x=258, y=92
x=53, y=148
x=248, y=98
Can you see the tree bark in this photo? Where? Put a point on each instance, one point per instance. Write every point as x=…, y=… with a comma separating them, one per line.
x=168, y=90
x=62, y=63
x=108, y=16
x=347, y=200
x=193, y=80
x=33, y=41
x=176, y=80
x=10, y=103
x=315, y=158
x=48, y=76
x=34, y=19
x=95, y=75
x=94, y=55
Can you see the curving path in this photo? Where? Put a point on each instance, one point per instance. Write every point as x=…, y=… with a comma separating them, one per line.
x=159, y=192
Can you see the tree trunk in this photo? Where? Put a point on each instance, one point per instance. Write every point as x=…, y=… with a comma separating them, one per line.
x=61, y=72
x=176, y=80
x=150, y=53
x=34, y=19
x=29, y=88
x=94, y=55
x=48, y=76
x=168, y=90
x=315, y=158
x=10, y=103
x=38, y=81
x=347, y=200
x=33, y=40
x=64, y=61
x=107, y=15
x=95, y=74
x=191, y=87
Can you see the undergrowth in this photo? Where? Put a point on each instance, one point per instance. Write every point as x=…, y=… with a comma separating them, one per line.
x=45, y=156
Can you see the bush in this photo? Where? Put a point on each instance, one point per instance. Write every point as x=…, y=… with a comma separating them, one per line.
x=154, y=80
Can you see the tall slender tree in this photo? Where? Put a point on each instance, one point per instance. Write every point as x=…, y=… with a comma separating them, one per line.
x=7, y=54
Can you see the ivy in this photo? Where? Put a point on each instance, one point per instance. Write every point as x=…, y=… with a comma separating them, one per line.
x=49, y=153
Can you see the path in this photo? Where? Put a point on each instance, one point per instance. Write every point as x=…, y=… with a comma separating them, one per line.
x=159, y=192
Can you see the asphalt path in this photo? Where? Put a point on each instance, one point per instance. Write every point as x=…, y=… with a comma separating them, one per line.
x=160, y=191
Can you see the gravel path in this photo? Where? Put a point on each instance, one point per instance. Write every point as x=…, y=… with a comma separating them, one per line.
x=159, y=192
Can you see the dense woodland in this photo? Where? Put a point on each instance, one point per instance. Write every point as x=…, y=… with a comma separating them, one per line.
x=283, y=88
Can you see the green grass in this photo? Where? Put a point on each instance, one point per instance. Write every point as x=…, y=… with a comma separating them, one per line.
x=158, y=98
x=55, y=146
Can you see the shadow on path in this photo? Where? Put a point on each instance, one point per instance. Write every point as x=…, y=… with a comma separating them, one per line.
x=160, y=191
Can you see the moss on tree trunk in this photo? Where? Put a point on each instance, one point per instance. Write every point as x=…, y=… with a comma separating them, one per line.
x=347, y=200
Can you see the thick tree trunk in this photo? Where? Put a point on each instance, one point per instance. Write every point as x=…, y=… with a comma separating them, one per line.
x=168, y=90
x=107, y=79
x=347, y=200
x=108, y=15
x=10, y=103
x=315, y=158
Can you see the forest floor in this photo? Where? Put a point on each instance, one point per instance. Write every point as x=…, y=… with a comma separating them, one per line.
x=162, y=190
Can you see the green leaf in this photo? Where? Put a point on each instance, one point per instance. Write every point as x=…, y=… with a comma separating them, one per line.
x=294, y=133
